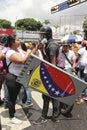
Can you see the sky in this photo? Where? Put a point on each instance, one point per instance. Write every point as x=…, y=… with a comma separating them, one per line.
x=13, y=10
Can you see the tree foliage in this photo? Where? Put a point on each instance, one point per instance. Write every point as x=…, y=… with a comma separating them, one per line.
x=46, y=22
x=57, y=26
x=85, y=27
x=76, y=31
x=5, y=23
x=28, y=24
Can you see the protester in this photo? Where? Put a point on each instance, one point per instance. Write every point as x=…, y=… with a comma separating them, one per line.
x=80, y=58
x=38, y=52
x=66, y=58
x=2, y=56
x=51, y=49
x=26, y=91
x=27, y=98
x=6, y=95
x=80, y=61
x=66, y=61
x=3, y=50
x=1, y=77
x=17, y=57
x=85, y=73
x=75, y=48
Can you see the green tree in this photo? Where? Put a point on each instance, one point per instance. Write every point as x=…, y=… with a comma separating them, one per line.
x=76, y=31
x=46, y=22
x=28, y=24
x=85, y=27
x=57, y=27
x=5, y=23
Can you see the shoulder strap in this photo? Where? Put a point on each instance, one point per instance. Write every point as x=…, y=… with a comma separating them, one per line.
x=9, y=64
x=67, y=58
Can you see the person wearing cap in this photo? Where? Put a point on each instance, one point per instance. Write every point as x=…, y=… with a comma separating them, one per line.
x=66, y=60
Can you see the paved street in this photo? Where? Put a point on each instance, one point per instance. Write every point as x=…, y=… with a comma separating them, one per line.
x=77, y=122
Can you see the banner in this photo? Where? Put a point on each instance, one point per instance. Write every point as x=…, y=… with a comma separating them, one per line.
x=51, y=80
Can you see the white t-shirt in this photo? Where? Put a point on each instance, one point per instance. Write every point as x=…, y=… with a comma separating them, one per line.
x=81, y=52
x=85, y=61
x=13, y=67
x=71, y=56
x=5, y=49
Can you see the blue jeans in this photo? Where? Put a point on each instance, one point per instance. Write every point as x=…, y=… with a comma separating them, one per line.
x=6, y=94
x=28, y=95
x=81, y=72
x=85, y=91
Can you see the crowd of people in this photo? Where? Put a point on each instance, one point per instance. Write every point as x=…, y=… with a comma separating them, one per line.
x=63, y=56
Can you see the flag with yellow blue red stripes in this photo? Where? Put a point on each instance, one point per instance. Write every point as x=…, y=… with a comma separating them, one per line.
x=51, y=80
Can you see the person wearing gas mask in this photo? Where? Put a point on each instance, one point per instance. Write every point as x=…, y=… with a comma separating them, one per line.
x=50, y=53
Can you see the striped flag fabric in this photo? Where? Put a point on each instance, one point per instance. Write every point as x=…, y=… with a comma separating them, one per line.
x=46, y=78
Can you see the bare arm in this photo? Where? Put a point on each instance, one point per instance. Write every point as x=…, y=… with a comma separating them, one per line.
x=73, y=64
x=78, y=57
x=20, y=60
x=2, y=56
x=53, y=59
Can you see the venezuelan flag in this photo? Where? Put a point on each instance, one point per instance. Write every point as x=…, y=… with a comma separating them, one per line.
x=48, y=80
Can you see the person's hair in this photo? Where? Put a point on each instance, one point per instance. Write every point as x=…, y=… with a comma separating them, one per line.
x=10, y=40
x=34, y=44
x=24, y=47
x=83, y=43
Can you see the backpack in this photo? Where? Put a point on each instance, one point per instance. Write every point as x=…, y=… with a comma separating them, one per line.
x=4, y=67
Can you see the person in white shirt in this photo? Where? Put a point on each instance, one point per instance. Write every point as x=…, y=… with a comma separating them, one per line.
x=66, y=58
x=38, y=52
x=67, y=61
x=85, y=73
x=17, y=57
x=80, y=60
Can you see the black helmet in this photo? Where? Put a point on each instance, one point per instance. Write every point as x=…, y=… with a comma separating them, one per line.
x=47, y=32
